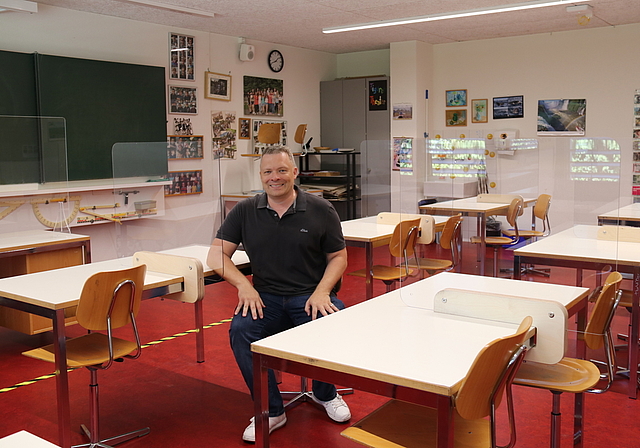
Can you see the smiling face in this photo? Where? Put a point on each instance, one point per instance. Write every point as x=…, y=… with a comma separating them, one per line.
x=278, y=173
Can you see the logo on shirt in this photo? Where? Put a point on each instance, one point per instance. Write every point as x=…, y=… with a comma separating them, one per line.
x=304, y=231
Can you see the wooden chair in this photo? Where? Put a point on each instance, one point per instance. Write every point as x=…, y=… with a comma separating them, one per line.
x=301, y=132
x=449, y=240
x=402, y=244
x=541, y=212
x=108, y=300
x=269, y=133
x=515, y=210
x=401, y=424
x=578, y=375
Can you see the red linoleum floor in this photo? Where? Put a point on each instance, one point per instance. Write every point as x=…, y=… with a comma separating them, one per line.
x=187, y=404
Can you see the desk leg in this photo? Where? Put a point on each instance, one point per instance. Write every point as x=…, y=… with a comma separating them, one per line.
x=517, y=271
x=633, y=336
x=483, y=244
x=581, y=353
x=199, y=315
x=261, y=402
x=62, y=380
x=445, y=422
x=369, y=277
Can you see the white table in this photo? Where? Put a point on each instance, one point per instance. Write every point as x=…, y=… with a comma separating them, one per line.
x=368, y=233
x=474, y=207
x=24, y=439
x=52, y=293
x=629, y=215
x=398, y=346
x=578, y=247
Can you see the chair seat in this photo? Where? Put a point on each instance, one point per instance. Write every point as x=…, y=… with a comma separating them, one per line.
x=384, y=273
x=523, y=233
x=492, y=240
x=569, y=375
x=87, y=350
x=430, y=264
x=401, y=424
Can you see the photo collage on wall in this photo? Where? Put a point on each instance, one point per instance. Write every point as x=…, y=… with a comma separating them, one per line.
x=636, y=147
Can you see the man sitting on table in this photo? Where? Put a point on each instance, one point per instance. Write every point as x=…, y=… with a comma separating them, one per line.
x=298, y=255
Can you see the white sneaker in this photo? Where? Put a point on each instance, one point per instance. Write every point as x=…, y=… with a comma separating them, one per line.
x=337, y=409
x=249, y=434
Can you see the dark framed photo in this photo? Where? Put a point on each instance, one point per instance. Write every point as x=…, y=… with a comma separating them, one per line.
x=181, y=57
x=508, y=107
x=183, y=183
x=244, y=128
x=456, y=98
x=183, y=100
x=263, y=96
x=217, y=86
x=185, y=147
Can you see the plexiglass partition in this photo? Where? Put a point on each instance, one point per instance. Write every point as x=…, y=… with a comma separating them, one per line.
x=33, y=158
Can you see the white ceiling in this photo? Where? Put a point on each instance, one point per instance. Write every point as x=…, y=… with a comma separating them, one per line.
x=299, y=23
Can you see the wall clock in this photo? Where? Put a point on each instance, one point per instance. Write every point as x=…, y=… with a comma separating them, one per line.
x=276, y=61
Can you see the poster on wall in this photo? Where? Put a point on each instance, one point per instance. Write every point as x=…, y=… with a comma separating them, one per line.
x=223, y=134
x=402, y=154
x=378, y=95
x=402, y=111
x=183, y=183
x=562, y=117
x=181, y=57
x=508, y=107
x=263, y=96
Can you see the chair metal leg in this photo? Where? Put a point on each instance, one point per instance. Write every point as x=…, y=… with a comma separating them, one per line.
x=555, y=420
x=305, y=395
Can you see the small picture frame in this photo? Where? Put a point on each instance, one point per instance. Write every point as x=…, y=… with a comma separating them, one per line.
x=181, y=57
x=244, y=128
x=456, y=117
x=183, y=183
x=479, y=111
x=183, y=100
x=217, y=86
x=402, y=111
x=456, y=98
x=185, y=147
x=508, y=107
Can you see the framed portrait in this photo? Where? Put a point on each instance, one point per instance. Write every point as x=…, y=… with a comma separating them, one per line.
x=181, y=57
x=456, y=98
x=479, y=111
x=183, y=100
x=244, y=128
x=263, y=96
x=508, y=107
x=183, y=183
x=563, y=117
x=456, y=117
x=185, y=147
x=217, y=86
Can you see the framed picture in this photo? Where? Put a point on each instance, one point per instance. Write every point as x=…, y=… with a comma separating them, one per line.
x=456, y=98
x=223, y=134
x=185, y=147
x=255, y=125
x=402, y=111
x=456, y=117
x=181, y=57
x=562, y=117
x=182, y=126
x=402, y=154
x=479, y=111
x=378, y=94
x=244, y=126
x=183, y=100
x=217, y=86
x=183, y=183
x=508, y=107
x=263, y=96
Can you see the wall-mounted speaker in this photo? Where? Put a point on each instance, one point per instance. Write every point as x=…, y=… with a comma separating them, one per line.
x=247, y=52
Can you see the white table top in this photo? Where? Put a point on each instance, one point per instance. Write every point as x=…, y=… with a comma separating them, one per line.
x=368, y=229
x=384, y=339
x=30, y=238
x=580, y=243
x=24, y=439
x=629, y=212
x=471, y=205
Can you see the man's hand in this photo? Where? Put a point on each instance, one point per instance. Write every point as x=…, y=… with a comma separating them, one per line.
x=319, y=303
x=249, y=300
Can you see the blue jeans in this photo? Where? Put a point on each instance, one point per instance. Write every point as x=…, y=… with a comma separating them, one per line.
x=280, y=313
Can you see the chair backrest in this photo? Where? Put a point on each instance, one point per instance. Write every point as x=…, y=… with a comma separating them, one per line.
x=449, y=232
x=541, y=211
x=603, y=311
x=492, y=370
x=515, y=209
x=111, y=295
x=269, y=133
x=301, y=131
x=404, y=238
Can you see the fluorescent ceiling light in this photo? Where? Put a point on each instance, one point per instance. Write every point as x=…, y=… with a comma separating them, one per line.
x=450, y=15
x=160, y=5
x=18, y=5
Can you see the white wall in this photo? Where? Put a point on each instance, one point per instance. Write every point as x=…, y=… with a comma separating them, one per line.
x=363, y=63
x=70, y=33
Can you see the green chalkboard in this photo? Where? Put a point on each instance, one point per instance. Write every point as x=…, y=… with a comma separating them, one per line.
x=102, y=103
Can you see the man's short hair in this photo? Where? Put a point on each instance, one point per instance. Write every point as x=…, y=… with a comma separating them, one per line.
x=277, y=149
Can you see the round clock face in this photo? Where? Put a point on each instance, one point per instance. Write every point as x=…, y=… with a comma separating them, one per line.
x=276, y=61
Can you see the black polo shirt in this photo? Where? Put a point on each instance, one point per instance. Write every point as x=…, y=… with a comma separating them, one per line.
x=288, y=254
